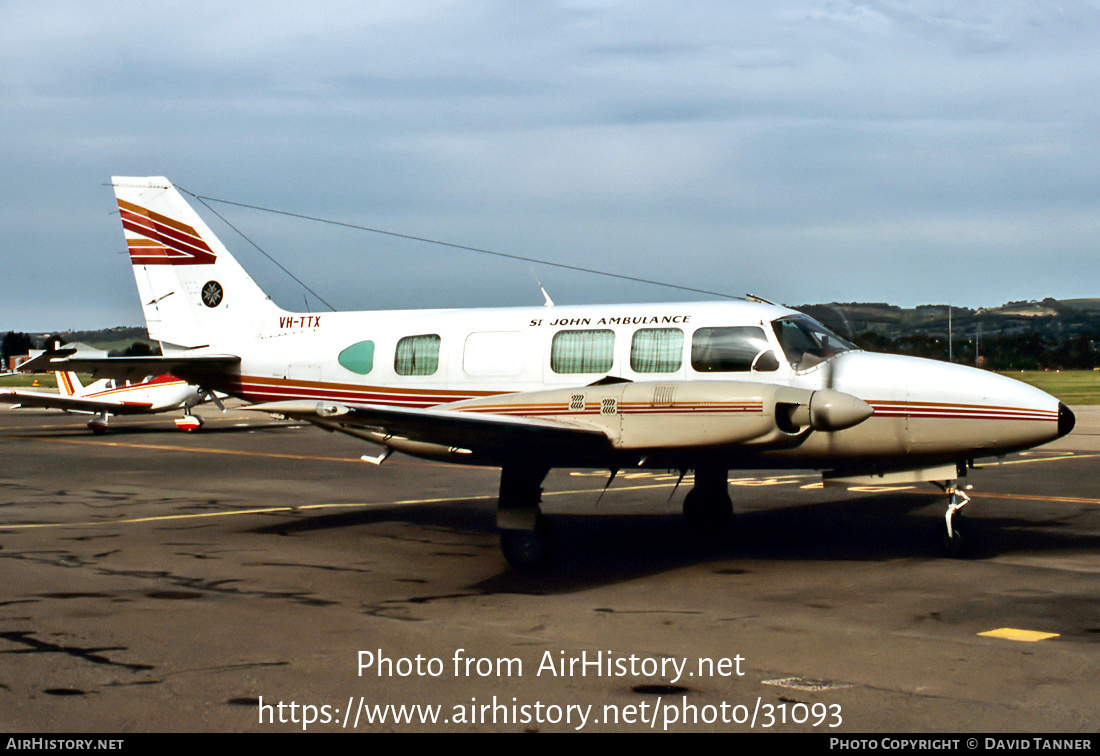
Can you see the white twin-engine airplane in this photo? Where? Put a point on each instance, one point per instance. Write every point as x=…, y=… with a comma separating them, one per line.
x=107, y=397
x=706, y=387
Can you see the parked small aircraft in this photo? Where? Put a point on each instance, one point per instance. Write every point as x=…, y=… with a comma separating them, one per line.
x=107, y=397
x=706, y=387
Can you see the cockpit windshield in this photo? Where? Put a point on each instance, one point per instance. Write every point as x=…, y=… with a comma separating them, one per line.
x=806, y=342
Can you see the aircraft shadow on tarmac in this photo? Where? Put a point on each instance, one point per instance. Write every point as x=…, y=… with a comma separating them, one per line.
x=601, y=549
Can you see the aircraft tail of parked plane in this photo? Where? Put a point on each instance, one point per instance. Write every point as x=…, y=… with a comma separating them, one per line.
x=705, y=386
x=68, y=383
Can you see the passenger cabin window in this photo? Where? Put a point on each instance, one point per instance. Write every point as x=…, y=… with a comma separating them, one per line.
x=489, y=354
x=582, y=351
x=734, y=349
x=657, y=350
x=417, y=355
x=358, y=358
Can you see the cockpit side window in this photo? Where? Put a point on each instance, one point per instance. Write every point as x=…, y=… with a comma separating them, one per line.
x=733, y=349
x=806, y=342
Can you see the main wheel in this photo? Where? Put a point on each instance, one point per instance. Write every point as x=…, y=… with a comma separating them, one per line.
x=528, y=550
x=707, y=515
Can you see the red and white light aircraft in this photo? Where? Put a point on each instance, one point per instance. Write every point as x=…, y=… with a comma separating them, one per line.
x=107, y=397
x=706, y=387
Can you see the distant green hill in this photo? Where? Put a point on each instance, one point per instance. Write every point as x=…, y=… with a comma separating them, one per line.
x=114, y=339
x=1033, y=335
x=1051, y=318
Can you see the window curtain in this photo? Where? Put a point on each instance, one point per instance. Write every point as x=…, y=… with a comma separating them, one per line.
x=582, y=351
x=417, y=355
x=657, y=350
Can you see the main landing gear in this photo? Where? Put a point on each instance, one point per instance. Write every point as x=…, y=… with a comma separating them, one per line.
x=707, y=506
x=527, y=539
x=98, y=424
x=525, y=536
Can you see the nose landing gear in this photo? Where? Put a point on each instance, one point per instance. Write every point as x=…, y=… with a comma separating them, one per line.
x=188, y=422
x=958, y=539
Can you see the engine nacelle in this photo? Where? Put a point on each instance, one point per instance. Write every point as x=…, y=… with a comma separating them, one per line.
x=682, y=414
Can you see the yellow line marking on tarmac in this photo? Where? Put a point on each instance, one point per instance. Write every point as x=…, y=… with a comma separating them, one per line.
x=665, y=479
x=1012, y=634
x=196, y=450
x=202, y=450
x=1027, y=497
x=304, y=507
x=1061, y=456
x=788, y=477
x=983, y=495
x=228, y=513
x=440, y=500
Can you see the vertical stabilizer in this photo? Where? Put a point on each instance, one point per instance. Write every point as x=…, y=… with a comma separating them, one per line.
x=193, y=292
x=68, y=384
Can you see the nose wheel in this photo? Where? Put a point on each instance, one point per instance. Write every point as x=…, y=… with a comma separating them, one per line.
x=189, y=423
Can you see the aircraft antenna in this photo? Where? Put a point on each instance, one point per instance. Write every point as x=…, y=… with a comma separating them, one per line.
x=257, y=246
x=564, y=266
x=549, y=302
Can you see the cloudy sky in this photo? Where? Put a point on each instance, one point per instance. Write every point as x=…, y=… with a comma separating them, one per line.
x=805, y=151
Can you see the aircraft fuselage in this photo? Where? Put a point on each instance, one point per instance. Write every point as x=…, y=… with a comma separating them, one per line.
x=677, y=378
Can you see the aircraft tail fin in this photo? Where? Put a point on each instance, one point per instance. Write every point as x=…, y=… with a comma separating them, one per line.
x=193, y=292
x=68, y=384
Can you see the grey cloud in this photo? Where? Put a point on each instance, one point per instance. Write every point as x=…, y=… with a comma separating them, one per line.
x=744, y=146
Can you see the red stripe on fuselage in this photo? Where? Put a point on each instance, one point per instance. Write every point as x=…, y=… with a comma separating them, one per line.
x=270, y=390
x=163, y=380
x=960, y=411
x=266, y=390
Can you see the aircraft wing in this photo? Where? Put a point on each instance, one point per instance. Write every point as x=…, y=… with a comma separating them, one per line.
x=445, y=432
x=600, y=424
x=72, y=403
x=192, y=368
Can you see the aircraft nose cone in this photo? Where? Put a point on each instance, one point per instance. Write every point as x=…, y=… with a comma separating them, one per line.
x=1066, y=420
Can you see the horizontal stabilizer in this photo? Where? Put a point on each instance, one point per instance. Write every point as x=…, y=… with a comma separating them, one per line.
x=192, y=368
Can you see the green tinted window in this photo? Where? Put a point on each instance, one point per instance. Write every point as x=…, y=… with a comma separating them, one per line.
x=358, y=358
